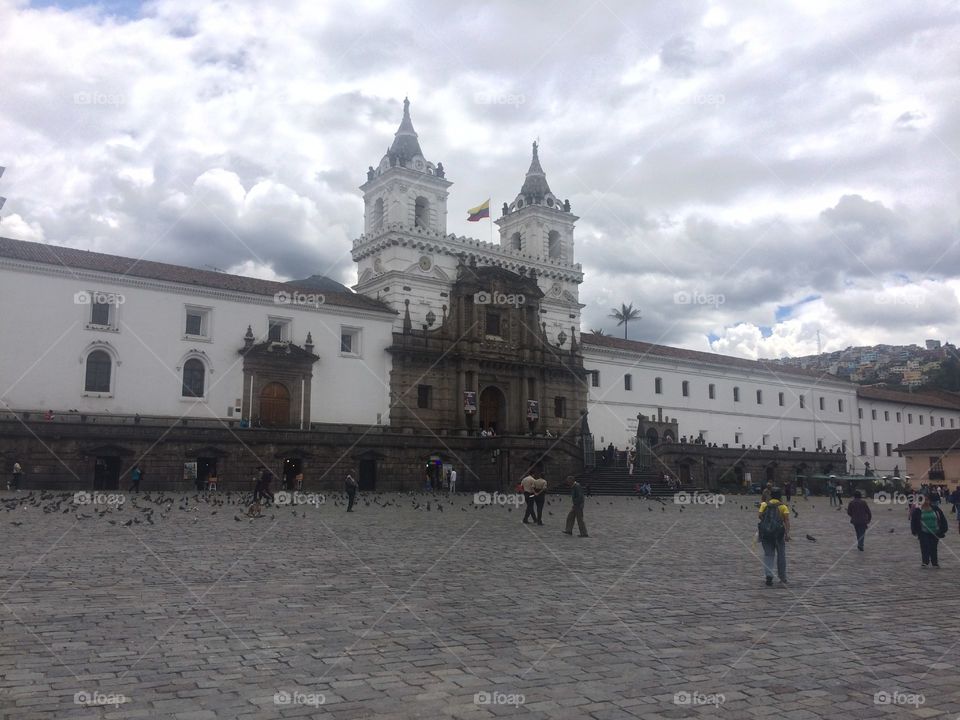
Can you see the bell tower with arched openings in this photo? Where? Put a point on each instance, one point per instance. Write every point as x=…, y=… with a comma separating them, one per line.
x=536, y=223
x=405, y=191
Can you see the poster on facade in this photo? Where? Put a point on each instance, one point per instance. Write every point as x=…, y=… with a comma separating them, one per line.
x=533, y=410
x=190, y=471
x=469, y=401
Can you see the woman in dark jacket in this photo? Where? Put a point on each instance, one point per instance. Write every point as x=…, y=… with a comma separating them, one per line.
x=928, y=524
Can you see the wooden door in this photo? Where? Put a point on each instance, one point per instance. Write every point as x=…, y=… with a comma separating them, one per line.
x=275, y=405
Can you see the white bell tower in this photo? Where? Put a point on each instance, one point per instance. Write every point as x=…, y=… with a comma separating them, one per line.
x=536, y=223
x=405, y=191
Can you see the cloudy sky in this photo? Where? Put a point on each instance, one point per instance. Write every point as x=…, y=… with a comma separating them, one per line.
x=745, y=173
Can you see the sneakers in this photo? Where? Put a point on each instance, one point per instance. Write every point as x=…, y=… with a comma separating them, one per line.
x=585, y=535
x=568, y=532
x=769, y=581
x=783, y=581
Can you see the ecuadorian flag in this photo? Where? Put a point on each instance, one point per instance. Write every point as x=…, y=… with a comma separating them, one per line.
x=479, y=212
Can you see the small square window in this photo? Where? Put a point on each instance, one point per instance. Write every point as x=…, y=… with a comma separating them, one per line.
x=350, y=342
x=658, y=386
x=197, y=322
x=863, y=447
x=759, y=397
x=278, y=329
x=736, y=394
x=889, y=449
x=595, y=378
x=898, y=417
x=712, y=392
x=424, y=396
x=780, y=399
x=822, y=403
x=685, y=388
x=860, y=413
x=873, y=414
x=886, y=415
x=803, y=402
x=628, y=382
x=103, y=308
x=839, y=405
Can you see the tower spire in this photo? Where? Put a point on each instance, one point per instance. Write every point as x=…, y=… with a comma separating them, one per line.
x=535, y=187
x=405, y=145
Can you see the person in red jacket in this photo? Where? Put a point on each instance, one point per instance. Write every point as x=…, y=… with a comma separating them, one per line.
x=860, y=517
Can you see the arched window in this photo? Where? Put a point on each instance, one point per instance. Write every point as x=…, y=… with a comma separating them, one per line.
x=99, y=368
x=657, y=385
x=421, y=212
x=515, y=242
x=378, y=214
x=553, y=244
x=194, y=378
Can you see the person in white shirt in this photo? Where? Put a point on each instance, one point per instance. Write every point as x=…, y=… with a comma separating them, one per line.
x=453, y=481
x=527, y=484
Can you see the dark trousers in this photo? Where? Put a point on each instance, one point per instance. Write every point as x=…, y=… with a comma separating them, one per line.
x=351, y=496
x=260, y=492
x=531, y=510
x=576, y=513
x=928, y=548
x=840, y=500
x=776, y=548
x=539, y=500
x=861, y=531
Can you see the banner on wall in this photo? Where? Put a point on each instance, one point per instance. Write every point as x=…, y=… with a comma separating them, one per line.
x=469, y=401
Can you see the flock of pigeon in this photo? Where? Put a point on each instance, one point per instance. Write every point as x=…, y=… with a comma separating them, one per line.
x=147, y=508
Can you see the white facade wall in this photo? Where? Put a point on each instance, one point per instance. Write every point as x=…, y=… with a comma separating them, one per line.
x=613, y=409
x=42, y=365
x=885, y=425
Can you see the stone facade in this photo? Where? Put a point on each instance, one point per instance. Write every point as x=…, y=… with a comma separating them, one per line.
x=488, y=365
x=84, y=455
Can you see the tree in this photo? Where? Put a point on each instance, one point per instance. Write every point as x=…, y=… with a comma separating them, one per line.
x=598, y=332
x=624, y=315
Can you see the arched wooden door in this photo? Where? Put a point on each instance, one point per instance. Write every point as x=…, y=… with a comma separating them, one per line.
x=492, y=409
x=275, y=405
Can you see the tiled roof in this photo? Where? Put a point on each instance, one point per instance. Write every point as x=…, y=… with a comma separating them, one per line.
x=118, y=265
x=665, y=351
x=939, y=440
x=940, y=399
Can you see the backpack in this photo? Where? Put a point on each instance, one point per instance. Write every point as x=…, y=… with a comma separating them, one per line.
x=771, y=525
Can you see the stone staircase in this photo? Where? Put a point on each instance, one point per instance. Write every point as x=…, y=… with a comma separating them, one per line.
x=617, y=481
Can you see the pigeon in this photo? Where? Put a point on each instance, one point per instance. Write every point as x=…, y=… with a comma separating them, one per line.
x=811, y=538
x=128, y=523
x=237, y=518
x=18, y=523
x=893, y=529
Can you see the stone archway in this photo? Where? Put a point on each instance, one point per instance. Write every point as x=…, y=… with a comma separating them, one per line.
x=493, y=409
x=275, y=405
x=653, y=438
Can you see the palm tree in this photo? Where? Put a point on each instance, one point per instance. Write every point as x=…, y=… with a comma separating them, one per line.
x=624, y=315
x=598, y=332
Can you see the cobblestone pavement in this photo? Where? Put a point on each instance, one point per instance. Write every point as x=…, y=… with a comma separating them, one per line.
x=398, y=612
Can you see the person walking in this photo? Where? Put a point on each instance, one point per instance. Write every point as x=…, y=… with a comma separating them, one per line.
x=135, y=476
x=576, y=511
x=453, y=480
x=928, y=524
x=832, y=493
x=350, y=485
x=774, y=532
x=539, y=495
x=526, y=485
x=262, y=489
x=788, y=490
x=860, y=517
x=14, y=483
x=839, y=490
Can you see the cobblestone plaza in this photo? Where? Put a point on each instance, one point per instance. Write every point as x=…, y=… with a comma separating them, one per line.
x=404, y=610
